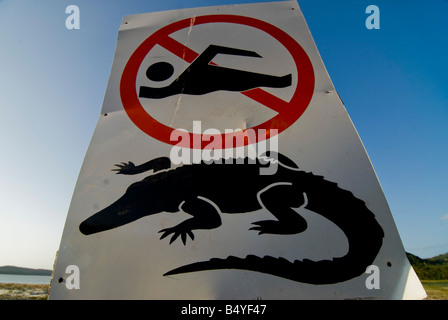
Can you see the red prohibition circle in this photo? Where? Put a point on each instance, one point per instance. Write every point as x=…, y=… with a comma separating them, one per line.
x=288, y=112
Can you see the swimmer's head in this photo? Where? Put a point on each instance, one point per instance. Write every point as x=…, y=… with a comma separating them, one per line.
x=160, y=71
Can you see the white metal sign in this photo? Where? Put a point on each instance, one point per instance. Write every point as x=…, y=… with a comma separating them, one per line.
x=225, y=166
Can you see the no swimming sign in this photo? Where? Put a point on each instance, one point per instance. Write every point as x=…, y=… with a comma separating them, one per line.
x=225, y=166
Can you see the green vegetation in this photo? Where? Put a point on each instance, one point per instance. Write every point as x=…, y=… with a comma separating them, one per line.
x=24, y=271
x=436, y=289
x=435, y=268
x=433, y=274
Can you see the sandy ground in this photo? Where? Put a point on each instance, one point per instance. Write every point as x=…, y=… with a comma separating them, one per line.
x=19, y=291
x=436, y=290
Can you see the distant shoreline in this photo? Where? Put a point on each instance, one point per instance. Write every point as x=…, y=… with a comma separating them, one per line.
x=13, y=270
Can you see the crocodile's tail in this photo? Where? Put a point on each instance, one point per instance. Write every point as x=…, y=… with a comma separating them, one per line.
x=305, y=271
x=350, y=214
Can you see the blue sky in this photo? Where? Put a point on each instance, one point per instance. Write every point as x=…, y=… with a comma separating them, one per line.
x=393, y=82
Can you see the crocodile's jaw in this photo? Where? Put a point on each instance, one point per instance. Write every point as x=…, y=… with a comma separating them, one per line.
x=121, y=212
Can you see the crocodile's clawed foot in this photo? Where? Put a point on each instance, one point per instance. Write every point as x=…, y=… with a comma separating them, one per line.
x=268, y=226
x=177, y=232
x=124, y=168
x=277, y=227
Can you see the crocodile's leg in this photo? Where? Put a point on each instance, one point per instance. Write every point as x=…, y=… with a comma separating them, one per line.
x=205, y=216
x=279, y=200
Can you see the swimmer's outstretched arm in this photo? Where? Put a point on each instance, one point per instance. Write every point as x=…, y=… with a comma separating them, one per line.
x=213, y=50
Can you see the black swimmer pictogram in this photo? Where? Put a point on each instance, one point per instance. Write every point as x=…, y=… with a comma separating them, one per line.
x=203, y=77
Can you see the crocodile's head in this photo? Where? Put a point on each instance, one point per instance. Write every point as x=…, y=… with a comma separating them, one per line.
x=111, y=217
x=130, y=207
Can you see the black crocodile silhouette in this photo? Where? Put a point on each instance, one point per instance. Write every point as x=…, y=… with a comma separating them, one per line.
x=188, y=188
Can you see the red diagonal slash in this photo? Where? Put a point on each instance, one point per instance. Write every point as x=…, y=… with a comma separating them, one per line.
x=287, y=112
x=257, y=94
